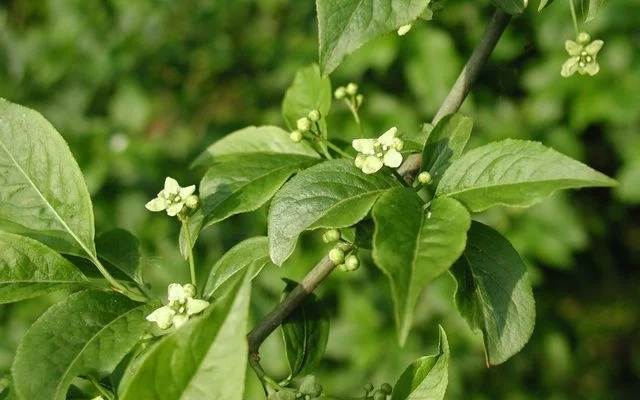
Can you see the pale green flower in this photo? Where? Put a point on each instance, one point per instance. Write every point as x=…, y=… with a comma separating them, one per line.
x=374, y=153
x=180, y=308
x=582, y=56
x=171, y=198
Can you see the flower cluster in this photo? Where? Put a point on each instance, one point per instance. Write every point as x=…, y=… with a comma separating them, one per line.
x=173, y=198
x=180, y=308
x=582, y=56
x=374, y=153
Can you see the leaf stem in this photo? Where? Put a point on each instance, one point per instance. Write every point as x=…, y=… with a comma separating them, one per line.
x=192, y=267
x=574, y=16
x=103, y=391
x=338, y=150
x=465, y=81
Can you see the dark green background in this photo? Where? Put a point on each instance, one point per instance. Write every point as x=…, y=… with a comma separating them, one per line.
x=139, y=88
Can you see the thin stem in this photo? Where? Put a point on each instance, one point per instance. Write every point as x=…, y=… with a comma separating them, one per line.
x=574, y=16
x=272, y=320
x=103, y=391
x=115, y=285
x=465, y=81
x=192, y=267
x=325, y=152
x=399, y=177
x=338, y=150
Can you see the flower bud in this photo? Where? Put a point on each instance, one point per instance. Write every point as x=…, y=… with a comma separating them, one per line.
x=336, y=256
x=368, y=387
x=189, y=290
x=359, y=100
x=404, y=29
x=379, y=395
x=340, y=93
x=295, y=136
x=386, y=388
x=314, y=115
x=352, y=89
x=425, y=178
x=352, y=262
x=583, y=38
x=342, y=268
x=303, y=124
x=192, y=202
x=330, y=236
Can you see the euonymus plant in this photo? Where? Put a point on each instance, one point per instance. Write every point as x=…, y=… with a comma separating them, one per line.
x=408, y=198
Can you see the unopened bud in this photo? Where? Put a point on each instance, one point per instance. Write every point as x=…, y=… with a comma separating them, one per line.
x=336, y=256
x=303, y=124
x=352, y=262
x=314, y=115
x=404, y=29
x=359, y=100
x=189, y=290
x=330, y=236
x=192, y=201
x=386, y=388
x=583, y=38
x=425, y=178
x=352, y=89
x=342, y=268
x=295, y=136
x=379, y=395
x=368, y=387
x=340, y=93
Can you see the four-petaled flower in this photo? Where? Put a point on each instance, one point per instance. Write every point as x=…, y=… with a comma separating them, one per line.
x=374, y=153
x=180, y=308
x=582, y=56
x=171, y=198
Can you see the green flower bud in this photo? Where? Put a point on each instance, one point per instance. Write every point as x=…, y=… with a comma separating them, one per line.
x=192, y=202
x=330, y=236
x=303, y=124
x=189, y=290
x=295, y=136
x=379, y=395
x=425, y=178
x=385, y=387
x=359, y=100
x=342, y=268
x=340, y=93
x=336, y=256
x=352, y=89
x=352, y=262
x=583, y=38
x=368, y=387
x=317, y=389
x=314, y=115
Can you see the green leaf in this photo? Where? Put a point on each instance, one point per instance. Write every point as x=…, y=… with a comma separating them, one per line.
x=305, y=332
x=244, y=183
x=345, y=25
x=252, y=254
x=309, y=91
x=333, y=194
x=544, y=4
x=511, y=6
x=122, y=250
x=427, y=377
x=283, y=395
x=204, y=359
x=494, y=293
x=413, y=248
x=445, y=144
x=514, y=173
x=88, y=333
x=43, y=193
x=29, y=269
x=254, y=139
x=590, y=9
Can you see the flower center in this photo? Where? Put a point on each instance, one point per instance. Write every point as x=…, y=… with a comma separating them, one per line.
x=584, y=59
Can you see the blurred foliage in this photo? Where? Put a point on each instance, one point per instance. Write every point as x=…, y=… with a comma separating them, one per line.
x=139, y=88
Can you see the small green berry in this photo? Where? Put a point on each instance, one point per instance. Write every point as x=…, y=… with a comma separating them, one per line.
x=352, y=89
x=379, y=395
x=340, y=93
x=314, y=115
x=330, y=236
x=425, y=178
x=303, y=124
x=385, y=387
x=368, y=387
x=295, y=136
x=352, y=262
x=336, y=256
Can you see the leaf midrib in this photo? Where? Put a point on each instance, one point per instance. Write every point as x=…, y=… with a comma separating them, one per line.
x=46, y=202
